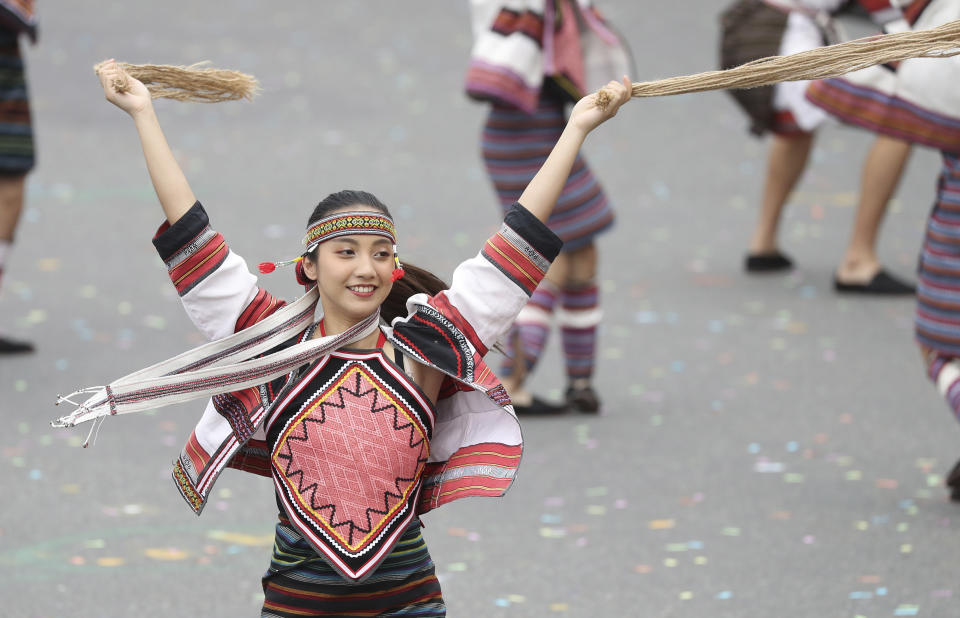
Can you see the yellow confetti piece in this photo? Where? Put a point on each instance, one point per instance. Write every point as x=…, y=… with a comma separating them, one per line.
x=595, y=492
x=70, y=488
x=700, y=560
x=165, y=554
x=730, y=531
x=88, y=291
x=37, y=316
x=559, y=607
x=597, y=509
x=516, y=598
x=155, y=322
x=49, y=265
x=458, y=567
x=686, y=595
x=793, y=477
x=95, y=544
x=906, y=548
x=862, y=525
x=670, y=562
x=796, y=328
x=661, y=524
x=853, y=475
x=110, y=561
x=250, y=540
x=903, y=527
x=552, y=533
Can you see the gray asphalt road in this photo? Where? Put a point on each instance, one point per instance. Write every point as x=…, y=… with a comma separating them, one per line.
x=766, y=449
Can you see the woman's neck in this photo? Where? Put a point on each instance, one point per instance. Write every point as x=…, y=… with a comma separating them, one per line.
x=331, y=325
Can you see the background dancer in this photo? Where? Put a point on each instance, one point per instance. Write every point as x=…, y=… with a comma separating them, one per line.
x=16, y=134
x=529, y=61
x=757, y=28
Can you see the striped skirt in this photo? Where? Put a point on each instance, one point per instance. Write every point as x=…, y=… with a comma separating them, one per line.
x=938, y=289
x=515, y=145
x=299, y=583
x=918, y=103
x=16, y=133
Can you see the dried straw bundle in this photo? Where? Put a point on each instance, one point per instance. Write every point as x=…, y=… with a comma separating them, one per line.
x=196, y=82
x=830, y=61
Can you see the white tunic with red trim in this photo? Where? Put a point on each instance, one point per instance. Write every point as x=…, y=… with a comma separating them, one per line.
x=476, y=444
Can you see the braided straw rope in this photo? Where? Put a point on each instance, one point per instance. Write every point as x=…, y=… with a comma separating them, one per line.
x=196, y=82
x=822, y=62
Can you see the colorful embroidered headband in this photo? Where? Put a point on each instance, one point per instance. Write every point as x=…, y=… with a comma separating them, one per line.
x=345, y=224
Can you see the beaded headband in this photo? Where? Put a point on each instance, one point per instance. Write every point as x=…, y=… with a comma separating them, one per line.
x=345, y=224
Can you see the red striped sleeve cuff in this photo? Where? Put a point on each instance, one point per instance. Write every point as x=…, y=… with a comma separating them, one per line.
x=523, y=248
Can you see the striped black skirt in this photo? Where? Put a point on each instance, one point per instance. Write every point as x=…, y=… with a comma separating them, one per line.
x=300, y=583
x=515, y=145
x=16, y=132
x=938, y=289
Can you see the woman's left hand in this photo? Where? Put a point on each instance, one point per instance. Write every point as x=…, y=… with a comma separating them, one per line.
x=587, y=114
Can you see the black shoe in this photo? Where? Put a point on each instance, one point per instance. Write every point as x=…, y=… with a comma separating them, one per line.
x=882, y=284
x=767, y=262
x=12, y=346
x=583, y=399
x=953, y=482
x=539, y=407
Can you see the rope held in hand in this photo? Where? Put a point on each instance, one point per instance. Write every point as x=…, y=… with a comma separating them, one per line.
x=820, y=63
x=196, y=82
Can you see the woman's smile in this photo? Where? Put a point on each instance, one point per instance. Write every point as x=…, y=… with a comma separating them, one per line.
x=363, y=291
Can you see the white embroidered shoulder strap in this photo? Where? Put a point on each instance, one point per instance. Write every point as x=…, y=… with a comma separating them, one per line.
x=220, y=366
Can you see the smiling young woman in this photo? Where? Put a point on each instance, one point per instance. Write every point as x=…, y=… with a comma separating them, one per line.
x=367, y=401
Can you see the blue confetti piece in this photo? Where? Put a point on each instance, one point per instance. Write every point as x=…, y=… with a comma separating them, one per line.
x=716, y=326
x=678, y=366
x=695, y=544
x=881, y=592
x=502, y=603
x=36, y=475
x=723, y=596
x=861, y=595
x=792, y=447
x=661, y=190
x=646, y=317
x=907, y=610
x=754, y=448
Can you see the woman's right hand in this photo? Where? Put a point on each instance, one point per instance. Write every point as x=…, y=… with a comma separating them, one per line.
x=133, y=99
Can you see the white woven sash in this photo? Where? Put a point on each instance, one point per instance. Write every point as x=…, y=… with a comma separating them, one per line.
x=217, y=367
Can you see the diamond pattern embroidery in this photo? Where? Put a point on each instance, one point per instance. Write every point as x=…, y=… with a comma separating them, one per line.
x=351, y=457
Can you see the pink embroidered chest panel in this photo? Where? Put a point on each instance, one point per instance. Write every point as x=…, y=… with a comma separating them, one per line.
x=349, y=446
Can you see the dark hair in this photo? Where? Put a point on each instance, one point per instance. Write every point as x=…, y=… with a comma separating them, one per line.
x=415, y=279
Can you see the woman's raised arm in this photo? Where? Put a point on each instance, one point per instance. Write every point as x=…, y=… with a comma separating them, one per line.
x=169, y=183
x=542, y=193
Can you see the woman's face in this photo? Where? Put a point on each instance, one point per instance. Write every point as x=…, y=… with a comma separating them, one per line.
x=353, y=273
